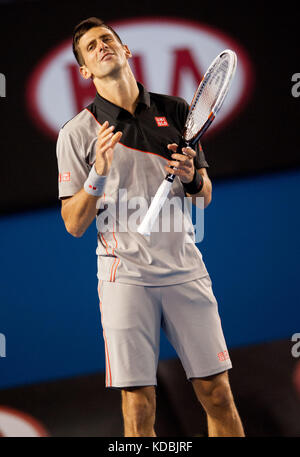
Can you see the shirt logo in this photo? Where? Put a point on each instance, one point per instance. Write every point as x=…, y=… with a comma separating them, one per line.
x=161, y=121
x=222, y=356
x=65, y=177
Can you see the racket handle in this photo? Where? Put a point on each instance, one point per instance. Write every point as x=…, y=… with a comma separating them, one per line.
x=182, y=144
x=155, y=207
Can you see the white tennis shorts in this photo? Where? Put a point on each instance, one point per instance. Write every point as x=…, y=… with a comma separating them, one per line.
x=132, y=315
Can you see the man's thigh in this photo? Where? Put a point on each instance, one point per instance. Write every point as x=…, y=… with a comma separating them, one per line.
x=192, y=324
x=130, y=317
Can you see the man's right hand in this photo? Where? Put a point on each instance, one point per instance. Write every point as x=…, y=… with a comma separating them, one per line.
x=105, y=148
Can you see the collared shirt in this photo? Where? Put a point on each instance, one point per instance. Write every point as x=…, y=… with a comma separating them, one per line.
x=158, y=120
x=168, y=256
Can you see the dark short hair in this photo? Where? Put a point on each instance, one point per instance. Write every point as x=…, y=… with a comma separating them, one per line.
x=82, y=28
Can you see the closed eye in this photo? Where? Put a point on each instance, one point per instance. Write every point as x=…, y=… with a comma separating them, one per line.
x=91, y=46
x=104, y=38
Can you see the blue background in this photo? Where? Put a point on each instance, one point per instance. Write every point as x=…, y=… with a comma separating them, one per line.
x=49, y=306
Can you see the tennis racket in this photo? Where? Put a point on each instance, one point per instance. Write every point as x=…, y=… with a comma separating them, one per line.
x=207, y=101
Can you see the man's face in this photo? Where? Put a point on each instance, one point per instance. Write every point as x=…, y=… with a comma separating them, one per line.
x=102, y=53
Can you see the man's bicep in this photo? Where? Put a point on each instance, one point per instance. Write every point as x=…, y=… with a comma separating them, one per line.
x=64, y=202
x=72, y=167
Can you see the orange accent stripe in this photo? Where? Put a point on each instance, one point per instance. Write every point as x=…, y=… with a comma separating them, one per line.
x=107, y=361
x=114, y=239
x=106, y=364
x=102, y=236
x=113, y=249
x=111, y=270
x=114, y=278
x=106, y=371
x=113, y=267
x=106, y=245
x=127, y=147
x=112, y=273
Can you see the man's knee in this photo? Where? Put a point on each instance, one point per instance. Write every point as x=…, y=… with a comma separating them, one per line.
x=214, y=393
x=138, y=405
x=221, y=396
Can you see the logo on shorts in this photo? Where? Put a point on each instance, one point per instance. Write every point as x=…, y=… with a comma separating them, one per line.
x=161, y=121
x=222, y=356
x=65, y=177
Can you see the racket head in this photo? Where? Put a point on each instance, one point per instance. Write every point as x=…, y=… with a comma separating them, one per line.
x=210, y=95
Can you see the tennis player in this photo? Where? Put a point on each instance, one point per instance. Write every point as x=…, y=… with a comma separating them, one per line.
x=126, y=140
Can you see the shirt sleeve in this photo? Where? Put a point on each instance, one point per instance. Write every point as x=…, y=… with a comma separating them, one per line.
x=199, y=160
x=72, y=167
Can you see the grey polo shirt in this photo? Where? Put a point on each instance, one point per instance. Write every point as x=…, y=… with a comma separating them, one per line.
x=166, y=257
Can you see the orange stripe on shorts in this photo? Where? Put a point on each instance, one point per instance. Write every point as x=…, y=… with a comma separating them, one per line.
x=107, y=361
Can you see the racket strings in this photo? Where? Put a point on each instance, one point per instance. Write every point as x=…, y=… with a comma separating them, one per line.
x=205, y=99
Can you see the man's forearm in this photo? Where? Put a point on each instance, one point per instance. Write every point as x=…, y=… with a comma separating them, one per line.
x=205, y=192
x=78, y=212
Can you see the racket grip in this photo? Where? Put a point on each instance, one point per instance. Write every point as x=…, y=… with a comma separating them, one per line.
x=153, y=211
x=182, y=144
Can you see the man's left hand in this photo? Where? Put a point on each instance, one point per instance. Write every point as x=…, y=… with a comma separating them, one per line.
x=183, y=163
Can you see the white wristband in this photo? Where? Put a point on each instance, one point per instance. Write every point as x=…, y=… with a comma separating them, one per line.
x=94, y=185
